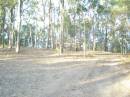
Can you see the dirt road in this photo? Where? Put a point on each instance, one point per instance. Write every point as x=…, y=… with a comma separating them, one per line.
x=47, y=75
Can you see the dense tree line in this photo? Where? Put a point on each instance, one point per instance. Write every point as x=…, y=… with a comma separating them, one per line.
x=65, y=24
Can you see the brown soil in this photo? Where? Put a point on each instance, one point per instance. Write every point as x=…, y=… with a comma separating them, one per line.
x=42, y=73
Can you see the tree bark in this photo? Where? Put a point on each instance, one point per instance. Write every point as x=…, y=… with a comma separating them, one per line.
x=31, y=37
x=62, y=27
x=105, y=44
x=49, y=30
x=3, y=25
x=94, y=42
x=20, y=3
x=93, y=29
x=11, y=29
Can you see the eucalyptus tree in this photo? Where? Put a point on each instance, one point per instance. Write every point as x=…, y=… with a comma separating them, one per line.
x=119, y=10
x=19, y=13
x=105, y=15
x=2, y=19
x=43, y=18
x=30, y=17
x=62, y=26
x=49, y=28
x=3, y=15
x=12, y=19
x=6, y=9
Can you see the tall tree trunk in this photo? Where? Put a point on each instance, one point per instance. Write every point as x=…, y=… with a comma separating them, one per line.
x=2, y=29
x=11, y=29
x=93, y=29
x=80, y=34
x=31, y=37
x=54, y=31
x=74, y=30
x=44, y=17
x=49, y=30
x=20, y=3
x=84, y=39
x=62, y=27
x=94, y=42
x=106, y=40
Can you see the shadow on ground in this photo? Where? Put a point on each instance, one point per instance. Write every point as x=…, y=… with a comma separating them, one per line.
x=54, y=76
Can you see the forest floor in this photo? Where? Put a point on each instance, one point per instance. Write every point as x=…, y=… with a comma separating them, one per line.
x=42, y=73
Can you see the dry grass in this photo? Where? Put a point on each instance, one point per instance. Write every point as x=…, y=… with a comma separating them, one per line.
x=42, y=73
x=125, y=61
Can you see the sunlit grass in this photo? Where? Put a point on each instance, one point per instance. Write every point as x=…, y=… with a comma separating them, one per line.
x=125, y=60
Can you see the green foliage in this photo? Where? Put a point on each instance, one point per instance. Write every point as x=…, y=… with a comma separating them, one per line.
x=94, y=17
x=8, y=3
x=100, y=9
x=94, y=3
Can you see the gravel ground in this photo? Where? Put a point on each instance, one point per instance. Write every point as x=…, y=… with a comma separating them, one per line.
x=47, y=75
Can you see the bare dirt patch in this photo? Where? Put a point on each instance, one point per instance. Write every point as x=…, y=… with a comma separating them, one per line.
x=42, y=73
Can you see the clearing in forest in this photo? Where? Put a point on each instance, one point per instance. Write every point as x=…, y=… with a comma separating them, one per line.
x=42, y=73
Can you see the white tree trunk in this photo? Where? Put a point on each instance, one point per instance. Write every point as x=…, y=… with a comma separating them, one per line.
x=18, y=26
x=62, y=27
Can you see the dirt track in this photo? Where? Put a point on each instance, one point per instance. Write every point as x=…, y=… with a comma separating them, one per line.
x=43, y=74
